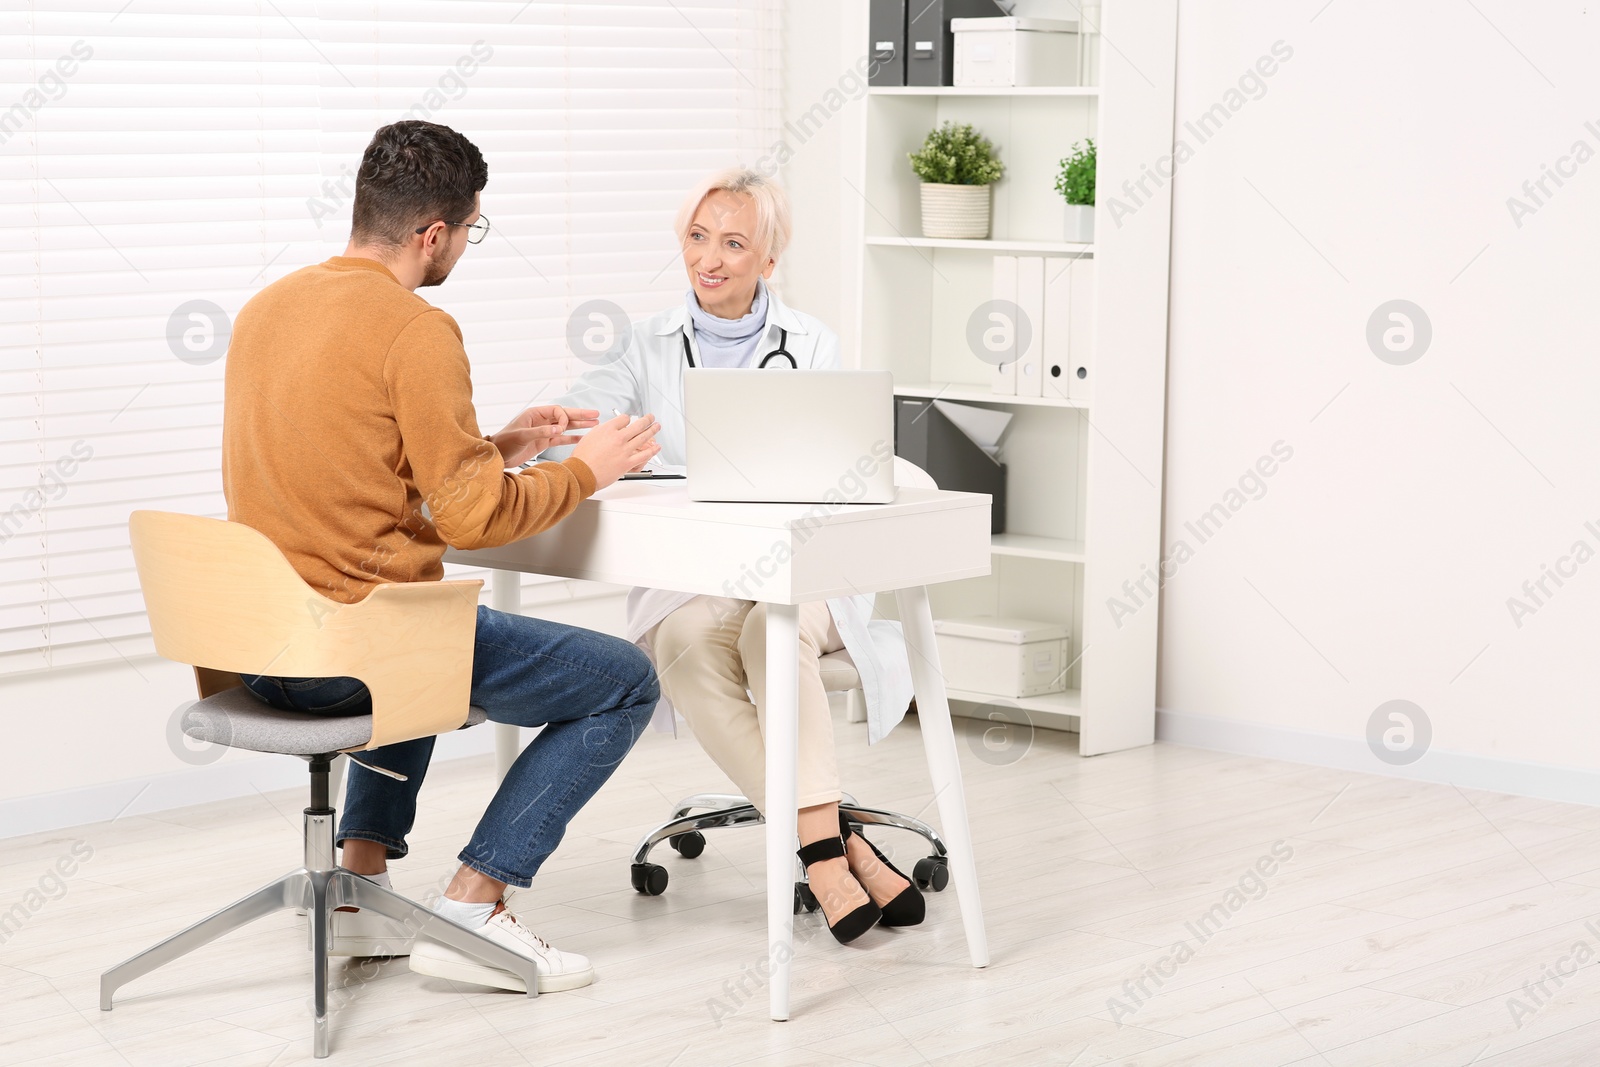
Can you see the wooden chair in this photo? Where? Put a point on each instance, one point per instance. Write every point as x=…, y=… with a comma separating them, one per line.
x=223, y=598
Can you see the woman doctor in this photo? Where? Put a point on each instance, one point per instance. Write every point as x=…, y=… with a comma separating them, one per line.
x=710, y=652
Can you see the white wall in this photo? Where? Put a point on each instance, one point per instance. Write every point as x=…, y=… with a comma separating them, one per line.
x=1375, y=165
x=1378, y=564
x=1416, y=502
x=91, y=743
x=819, y=68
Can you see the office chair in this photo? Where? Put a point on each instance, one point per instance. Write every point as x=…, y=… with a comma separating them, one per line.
x=685, y=831
x=222, y=598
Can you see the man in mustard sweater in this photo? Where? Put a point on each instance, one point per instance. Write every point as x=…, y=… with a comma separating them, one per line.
x=350, y=440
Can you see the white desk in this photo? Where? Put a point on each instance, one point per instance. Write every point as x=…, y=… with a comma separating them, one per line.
x=652, y=534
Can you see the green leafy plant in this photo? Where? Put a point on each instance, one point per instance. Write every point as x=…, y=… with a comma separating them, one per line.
x=1076, y=180
x=957, y=155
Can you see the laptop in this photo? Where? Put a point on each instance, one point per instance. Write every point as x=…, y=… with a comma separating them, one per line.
x=790, y=436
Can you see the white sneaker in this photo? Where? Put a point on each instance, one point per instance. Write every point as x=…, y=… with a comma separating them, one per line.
x=366, y=933
x=557, y=970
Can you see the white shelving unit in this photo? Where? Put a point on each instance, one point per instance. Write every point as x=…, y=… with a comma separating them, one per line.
x=1083, y=502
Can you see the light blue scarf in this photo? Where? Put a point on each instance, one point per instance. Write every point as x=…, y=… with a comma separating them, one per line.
x=729, y=342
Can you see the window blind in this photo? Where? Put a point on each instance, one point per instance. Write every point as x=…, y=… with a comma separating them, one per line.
x=162, y=160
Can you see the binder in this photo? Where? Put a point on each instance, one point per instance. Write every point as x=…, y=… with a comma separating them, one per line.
x=930, y=46
x=1080, y=331
x=1056, y=364
x=1030, y=301
x=923, y=435
x=1003, y=379
x=886, y=42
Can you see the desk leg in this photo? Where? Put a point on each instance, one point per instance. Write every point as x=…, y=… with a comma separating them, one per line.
x=783, y=742
x=939, y=741
x=505, y=594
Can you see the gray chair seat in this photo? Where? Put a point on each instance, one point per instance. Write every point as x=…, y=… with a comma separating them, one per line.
x=237, y=719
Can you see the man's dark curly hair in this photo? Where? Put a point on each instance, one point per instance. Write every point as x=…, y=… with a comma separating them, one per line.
x=414, y=173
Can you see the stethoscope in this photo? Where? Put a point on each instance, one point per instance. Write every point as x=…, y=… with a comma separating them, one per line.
x=781, y=350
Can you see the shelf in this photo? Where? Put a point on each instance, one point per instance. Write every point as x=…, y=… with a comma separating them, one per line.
x=984, y=90
x=1031, y=547
x=1054, y=711
x=1065, y=702
x=981, y=394
x=987, y=245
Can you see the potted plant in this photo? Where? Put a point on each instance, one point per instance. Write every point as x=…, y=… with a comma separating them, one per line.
x=1076, y=183
x=957, y=165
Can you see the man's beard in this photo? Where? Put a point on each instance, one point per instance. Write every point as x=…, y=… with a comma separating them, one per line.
x=434, y=274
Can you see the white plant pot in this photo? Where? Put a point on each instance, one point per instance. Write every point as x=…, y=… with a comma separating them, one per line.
x=958, y=211
x=1080, y=224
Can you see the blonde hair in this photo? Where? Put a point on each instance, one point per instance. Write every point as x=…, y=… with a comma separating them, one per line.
x=772, y=207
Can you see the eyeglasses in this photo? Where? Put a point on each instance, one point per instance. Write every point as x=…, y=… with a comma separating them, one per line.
x=476, y=231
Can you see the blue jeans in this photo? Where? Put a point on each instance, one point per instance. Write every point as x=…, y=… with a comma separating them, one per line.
x=593, y=695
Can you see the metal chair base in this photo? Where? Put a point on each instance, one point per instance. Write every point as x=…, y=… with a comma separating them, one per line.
x=319, y=887
x=718, y=810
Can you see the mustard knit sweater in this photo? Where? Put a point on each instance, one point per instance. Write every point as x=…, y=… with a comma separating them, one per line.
x=348, y=407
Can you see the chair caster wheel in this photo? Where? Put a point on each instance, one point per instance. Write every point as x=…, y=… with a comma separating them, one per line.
x=931, y=873
x=650, y=879
x=804, y=899
x=689, y=845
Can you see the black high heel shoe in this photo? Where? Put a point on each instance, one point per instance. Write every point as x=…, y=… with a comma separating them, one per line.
x=906, y=909
x=861, y=919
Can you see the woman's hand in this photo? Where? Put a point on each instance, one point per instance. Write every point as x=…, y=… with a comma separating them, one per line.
x=617, y=446
x=539, y=428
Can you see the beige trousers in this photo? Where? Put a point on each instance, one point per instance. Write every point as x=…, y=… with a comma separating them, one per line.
x=711, y=655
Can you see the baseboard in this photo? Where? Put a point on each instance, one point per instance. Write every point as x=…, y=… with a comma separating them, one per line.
x=227, y=778
x=1544, y=781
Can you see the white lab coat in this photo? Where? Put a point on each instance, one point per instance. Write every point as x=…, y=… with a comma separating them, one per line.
x=647, y=379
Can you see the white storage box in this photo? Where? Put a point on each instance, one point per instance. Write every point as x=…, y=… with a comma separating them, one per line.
x=1003, y=657
x=1014, y=51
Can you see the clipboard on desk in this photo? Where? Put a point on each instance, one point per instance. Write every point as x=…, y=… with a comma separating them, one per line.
x=663, y=473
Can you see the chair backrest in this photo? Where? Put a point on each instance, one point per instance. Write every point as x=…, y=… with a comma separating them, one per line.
x=224, y=599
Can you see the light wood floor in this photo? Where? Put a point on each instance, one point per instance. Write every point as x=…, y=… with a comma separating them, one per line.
x=1403, y=922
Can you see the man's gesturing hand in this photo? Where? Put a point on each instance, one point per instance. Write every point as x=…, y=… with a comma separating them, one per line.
x=539, y=428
